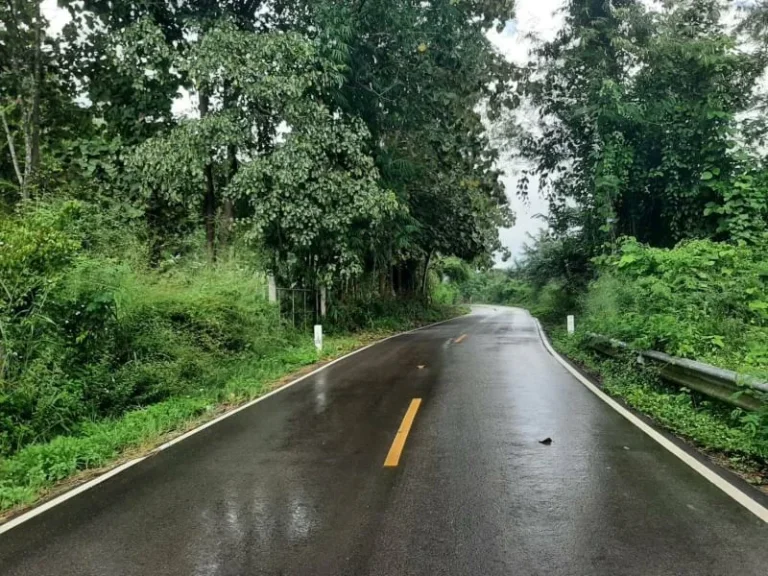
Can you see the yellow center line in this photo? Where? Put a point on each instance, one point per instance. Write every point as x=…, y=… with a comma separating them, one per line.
x=393, y=458
x=460, y=338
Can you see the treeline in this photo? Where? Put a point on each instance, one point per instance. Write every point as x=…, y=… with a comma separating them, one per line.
x=650, y=125
x=339, y=139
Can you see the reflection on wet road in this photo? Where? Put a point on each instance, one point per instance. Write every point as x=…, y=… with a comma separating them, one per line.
x=295, y=484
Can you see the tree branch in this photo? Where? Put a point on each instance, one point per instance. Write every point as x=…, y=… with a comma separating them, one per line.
x=12, y=149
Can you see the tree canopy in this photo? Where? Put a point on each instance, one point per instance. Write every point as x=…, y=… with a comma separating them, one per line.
x=642, y=116
x=343, y=139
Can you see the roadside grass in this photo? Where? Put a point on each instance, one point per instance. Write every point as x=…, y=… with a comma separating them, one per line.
x=37, y=470
x=732, y=437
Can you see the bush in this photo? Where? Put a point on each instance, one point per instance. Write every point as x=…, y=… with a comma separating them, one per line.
x=703, y=300
x=114, y=339
x=446, y=294
x=87, y=336
x=375, y=314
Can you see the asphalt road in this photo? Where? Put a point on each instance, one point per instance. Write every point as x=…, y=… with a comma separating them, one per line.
x=296, y=484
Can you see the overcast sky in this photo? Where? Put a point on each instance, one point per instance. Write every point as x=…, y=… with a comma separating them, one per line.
x=536, y=18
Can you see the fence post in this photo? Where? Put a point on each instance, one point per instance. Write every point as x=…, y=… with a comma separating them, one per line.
x=272, y=288
x=571, y=324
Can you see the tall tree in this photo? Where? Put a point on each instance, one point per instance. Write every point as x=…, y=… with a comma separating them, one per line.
x=22, y=35
x=416, y=75
x=639, y=111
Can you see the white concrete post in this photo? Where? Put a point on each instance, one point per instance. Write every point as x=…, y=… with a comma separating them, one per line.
x=272, y=288
x=571, y=324
x=319, y=336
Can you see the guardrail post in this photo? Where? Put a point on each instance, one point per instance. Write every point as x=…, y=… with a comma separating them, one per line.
x=571, y=324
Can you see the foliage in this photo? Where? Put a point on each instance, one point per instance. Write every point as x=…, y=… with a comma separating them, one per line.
x=316, y=201
x=639, y=125
x=86, y=336
x=374, y=314
x=273, y=85
x=415, y=73
x=701, y=300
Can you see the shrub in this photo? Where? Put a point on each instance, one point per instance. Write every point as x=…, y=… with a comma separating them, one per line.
x=377, y=314
x=87, y=336
x=702, y=299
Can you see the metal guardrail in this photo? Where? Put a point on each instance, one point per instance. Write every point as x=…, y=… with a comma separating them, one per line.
x=736, y=389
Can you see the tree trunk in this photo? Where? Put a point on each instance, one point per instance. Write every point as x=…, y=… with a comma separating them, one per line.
x=32, y=124
x=228, y=212
x=209, y=201
x=209, y=212
x=424, y=277
x=12, y=150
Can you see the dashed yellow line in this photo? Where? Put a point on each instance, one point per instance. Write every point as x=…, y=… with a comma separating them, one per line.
x=393, y=458
x=459, y=339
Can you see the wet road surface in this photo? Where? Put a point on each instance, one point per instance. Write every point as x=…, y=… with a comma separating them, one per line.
x=296, y=484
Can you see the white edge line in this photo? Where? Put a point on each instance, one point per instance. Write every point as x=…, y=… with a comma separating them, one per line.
x=123, y=467
x=741, y=497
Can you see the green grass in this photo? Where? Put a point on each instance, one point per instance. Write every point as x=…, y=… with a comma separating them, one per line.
x=711, y=425
x=30, y=473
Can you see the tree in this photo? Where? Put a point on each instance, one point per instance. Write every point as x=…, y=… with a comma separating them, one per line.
x=316, y=200
x=21, y=85
x=639, y=117
x=416, y=73
x=401, y=86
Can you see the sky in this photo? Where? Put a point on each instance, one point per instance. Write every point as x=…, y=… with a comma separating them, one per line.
x=534, y=19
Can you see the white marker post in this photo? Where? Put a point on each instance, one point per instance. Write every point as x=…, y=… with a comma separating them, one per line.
x=319, y=336
x=571, y=324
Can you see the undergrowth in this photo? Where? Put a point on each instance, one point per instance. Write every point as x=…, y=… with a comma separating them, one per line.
x=702, y=300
